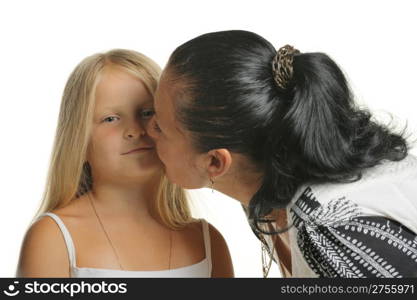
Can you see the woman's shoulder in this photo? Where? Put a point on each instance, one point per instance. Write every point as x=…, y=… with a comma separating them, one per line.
x=387, y=190
x=337, y=242
x=374, y=179
x=339, y=237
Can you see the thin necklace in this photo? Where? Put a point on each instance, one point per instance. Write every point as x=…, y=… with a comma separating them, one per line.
x=111, y=244
x=266, y=266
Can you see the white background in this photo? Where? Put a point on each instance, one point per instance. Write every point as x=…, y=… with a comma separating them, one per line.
x=42, y=41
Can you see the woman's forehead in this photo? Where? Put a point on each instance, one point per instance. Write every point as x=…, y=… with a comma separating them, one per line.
x=162, y=101
x=165, y=109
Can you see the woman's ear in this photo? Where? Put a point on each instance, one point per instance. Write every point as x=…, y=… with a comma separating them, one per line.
x=218, y=162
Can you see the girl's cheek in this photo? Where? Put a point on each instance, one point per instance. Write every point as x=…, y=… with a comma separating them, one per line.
x=103, y=137
x=109, y=132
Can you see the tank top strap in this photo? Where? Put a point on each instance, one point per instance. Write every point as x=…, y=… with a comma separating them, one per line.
x=67, y=236
x=207, y=243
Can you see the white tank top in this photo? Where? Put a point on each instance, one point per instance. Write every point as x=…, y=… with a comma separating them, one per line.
x=200, y=269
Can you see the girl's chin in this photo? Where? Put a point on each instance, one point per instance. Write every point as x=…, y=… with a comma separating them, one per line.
x=142, y=171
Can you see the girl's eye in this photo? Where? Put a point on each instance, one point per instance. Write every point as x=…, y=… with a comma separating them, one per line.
x=147, y=113
x=110, y=119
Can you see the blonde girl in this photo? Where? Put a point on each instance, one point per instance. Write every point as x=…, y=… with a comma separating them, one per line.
x=108, y=210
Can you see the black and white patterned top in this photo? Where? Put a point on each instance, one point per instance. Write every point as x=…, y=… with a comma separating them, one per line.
x=362, y=229
x=337, y=241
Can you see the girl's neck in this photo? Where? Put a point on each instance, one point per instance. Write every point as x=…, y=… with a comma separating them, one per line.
x=125, y=200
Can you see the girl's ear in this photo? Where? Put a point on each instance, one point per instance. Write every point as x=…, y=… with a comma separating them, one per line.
x=218, y=162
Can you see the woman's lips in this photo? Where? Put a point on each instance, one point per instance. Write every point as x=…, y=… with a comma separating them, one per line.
x=142, y=149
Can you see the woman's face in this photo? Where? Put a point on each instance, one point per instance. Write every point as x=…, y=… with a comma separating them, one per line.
x=120, y=149
x=183, y=164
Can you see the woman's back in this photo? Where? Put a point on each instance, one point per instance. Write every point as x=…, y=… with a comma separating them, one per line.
x=362, y=229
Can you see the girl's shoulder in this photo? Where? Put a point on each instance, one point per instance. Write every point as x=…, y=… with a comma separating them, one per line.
x=216, y=245
x=201, y=229
x=43, y=239
x=77, y=207
x=206, y=240
x=46, y=230
x=46, y=233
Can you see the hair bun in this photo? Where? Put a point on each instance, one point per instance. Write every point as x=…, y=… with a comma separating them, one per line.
x=282, y=65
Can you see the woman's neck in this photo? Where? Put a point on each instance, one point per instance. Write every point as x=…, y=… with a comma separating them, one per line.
x=240, y=185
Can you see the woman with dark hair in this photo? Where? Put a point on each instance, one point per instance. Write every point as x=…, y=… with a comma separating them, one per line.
x=328, y=190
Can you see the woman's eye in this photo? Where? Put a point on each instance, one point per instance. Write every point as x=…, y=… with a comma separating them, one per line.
x=110, y=119
x=147, y=113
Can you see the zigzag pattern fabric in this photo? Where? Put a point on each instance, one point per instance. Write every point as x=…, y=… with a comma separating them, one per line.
x=337, y=240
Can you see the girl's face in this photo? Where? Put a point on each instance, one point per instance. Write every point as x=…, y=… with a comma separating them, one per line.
x=119, y=149
x=183, y=164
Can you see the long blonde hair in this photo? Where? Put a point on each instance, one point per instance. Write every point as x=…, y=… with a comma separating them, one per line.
x=69, y=175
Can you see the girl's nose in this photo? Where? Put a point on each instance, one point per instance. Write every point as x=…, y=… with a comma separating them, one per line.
x=135, y=130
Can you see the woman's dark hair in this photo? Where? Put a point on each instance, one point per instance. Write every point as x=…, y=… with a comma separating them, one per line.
x=311, y=131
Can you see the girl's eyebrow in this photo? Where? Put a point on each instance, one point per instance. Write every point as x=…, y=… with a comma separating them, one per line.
x=121, y=107
x=112, y=107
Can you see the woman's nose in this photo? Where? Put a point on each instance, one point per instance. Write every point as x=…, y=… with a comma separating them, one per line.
x=150, y=128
